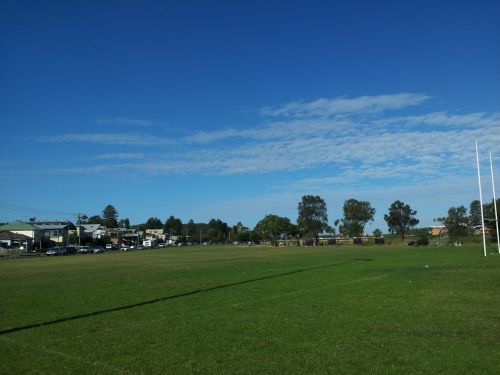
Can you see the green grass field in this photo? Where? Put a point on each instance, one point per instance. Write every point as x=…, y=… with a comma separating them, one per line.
x=251, y=310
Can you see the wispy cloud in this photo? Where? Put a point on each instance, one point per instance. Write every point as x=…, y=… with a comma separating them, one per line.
x=125, y=121
x=350, y=140
x=329, y=107
x=106, y=138
x=120, y=156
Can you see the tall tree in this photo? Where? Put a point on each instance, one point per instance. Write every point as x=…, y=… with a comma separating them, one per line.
x=356, y=215
x=109, y=217
x=401, y=218
x=489, y=210
x=124, y=223
x=312, y=217
x=153, y=223
x=190, y=229
x=273, y=226
x=457, y=223
x=218, y=231
x=475, y=213
x=173, y=226
x=96, y=219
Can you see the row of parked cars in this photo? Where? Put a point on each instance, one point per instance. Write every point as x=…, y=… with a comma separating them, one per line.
x=66, y=250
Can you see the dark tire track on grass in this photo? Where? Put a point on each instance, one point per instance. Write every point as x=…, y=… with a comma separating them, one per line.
x=174, y=296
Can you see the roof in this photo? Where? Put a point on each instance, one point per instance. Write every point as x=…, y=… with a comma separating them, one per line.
x=89, y=228
x=18, y=226
x=53, y=225
x=6, y=235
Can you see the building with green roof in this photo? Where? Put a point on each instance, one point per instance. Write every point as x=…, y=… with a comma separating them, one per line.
x=26, y=229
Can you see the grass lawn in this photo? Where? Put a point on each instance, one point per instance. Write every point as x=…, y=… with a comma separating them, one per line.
x=251, y=310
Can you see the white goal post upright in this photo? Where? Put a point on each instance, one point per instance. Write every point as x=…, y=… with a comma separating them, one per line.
x=481, y=200
x=495, y=202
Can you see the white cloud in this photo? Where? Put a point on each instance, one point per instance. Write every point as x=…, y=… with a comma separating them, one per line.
x=125, y=121
x=328, y=107
x=349, y=147
x=120, y=156
x=106, y=138
x=443, y=119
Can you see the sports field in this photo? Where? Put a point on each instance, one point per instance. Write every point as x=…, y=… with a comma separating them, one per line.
x=253, y=310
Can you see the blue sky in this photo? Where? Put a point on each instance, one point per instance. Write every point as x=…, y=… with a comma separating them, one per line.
x=234, y=110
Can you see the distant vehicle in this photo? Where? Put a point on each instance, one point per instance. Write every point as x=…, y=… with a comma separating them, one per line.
x=124, y=247
x=149, y=243
x=111, y=246
x=98, y=250
x=55, y=251
x=72, y=249
x=140, y=247
x=85, y=249
x=161, y=244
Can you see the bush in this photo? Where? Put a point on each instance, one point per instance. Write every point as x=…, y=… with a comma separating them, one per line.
x=422, y=237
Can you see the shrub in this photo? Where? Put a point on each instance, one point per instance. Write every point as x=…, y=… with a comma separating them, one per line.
x=422, y=237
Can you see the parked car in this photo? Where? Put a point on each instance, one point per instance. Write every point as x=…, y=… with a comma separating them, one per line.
x=72, y=249
x=57, y=251
x=85, y=249
x=99, y=249
x=140, y=247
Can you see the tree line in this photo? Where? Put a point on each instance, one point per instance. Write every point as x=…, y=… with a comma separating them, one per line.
x=460, y=224
x=312, y=220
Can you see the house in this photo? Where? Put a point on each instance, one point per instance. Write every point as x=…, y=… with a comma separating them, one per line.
x=152, y=234
x=123, y=235
x=26, y=229
x=439, y=230
x=94, y=231
x=56, y=231
x=15, y=240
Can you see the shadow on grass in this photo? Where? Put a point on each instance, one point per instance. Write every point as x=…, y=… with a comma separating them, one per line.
x=174, y=296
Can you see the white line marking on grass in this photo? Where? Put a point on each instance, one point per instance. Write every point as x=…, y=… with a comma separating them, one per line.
x=100, y=365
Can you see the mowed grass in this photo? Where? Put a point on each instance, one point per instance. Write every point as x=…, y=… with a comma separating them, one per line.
x=251, y=310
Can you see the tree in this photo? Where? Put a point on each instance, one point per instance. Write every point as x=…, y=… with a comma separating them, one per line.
x=377, y=233
x=457, y=223
x=356, y=215
x=96, y=219
x=190, y=229
x=124, y=223
x=401, y=218
x=475, y=213
x=489, y=211
x=273, y=226
x=153, y=223
x=422, y=236
x=173, y=226
x=312, y=217
x=217, y=230
x=109, y=217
